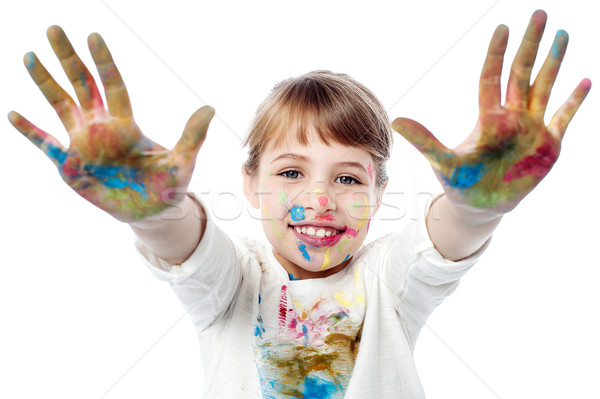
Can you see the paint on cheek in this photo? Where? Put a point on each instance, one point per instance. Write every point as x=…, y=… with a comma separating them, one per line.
x=351, y=232
x=326, y=260
x=323, y=200
x=277, y=232
x=341, y=245
x=370, y=171
x=302, y=249
x=354, y=205
x=365, y=217
x=266, y=181
x=282, y=197
x=297, y=213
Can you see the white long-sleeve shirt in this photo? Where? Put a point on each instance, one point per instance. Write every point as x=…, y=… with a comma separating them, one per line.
x=349, y=335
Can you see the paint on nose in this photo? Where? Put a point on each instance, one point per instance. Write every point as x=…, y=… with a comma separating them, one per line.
x=323, y=200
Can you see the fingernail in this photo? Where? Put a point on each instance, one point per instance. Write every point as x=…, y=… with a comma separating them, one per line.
x=560, y=43
x=29, y=60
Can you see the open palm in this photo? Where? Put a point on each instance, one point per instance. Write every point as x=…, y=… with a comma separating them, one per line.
x=511, y=149
x=109, y=162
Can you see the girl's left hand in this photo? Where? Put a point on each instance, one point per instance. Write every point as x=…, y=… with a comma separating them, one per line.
x=511, y=149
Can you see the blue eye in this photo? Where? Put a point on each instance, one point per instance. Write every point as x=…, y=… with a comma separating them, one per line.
x=346, y=180
x=291, y=174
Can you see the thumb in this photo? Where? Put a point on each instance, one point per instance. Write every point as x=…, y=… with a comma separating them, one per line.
x=194, y=133
x=422, y=139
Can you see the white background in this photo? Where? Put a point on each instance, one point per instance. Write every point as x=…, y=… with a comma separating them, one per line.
x=78, y=311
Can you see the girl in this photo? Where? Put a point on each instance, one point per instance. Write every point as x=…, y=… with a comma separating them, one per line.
x=314, y=314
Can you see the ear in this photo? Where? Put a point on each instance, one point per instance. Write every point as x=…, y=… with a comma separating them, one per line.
x=379, y=196
x=250, y=187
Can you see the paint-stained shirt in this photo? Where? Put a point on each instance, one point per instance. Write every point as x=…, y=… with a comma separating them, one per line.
x=348, y=335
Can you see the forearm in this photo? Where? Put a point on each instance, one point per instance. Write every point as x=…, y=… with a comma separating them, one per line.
x=456, y=231
x=174, y=234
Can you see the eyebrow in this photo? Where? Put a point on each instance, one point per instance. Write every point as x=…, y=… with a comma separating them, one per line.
x=302, y=158
x=295, y=157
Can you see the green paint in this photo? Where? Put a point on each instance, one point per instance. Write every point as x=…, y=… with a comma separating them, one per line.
x=354, y=205
x=341, y=245
x=282, y=197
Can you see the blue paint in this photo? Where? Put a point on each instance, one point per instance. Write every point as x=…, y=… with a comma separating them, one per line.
x=30, y=60
x=302, y=249
x=556, y=46
x=258, y=328
x=117, y=177
x=297, y=213
x=305, y=333
x=346, y=258
x=318, y=388
x=258, y=298
x=466, y=175
x=56, y=153
x=292, y=278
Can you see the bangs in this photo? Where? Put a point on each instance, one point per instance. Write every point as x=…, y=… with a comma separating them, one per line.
x=323, y=105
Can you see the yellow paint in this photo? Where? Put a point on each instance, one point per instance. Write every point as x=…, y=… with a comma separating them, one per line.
x=365, y=216
x=326, y=260
x=277, y=232
x=317, y=191
x=342, y=298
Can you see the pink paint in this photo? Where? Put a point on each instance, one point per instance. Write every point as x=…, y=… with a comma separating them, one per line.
x=370, y=170
x=328, y=218
x=351, y=232
x=322, y=200
x=537, y=165
x=283, y=306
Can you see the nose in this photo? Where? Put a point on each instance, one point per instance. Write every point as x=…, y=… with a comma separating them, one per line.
x=322, y=198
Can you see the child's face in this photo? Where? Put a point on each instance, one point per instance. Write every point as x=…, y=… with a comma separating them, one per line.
x=316, y=202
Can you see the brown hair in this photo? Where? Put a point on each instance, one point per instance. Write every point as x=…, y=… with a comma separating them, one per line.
x=337, y=107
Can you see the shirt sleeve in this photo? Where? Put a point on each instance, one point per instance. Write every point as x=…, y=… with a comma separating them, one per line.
x=420, y=276
x=208, y=280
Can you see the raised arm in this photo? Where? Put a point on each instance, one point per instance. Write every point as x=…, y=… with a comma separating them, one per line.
x=109, y=162
x=508, y=153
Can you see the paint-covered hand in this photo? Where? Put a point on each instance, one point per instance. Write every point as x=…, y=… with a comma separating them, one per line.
x=511, y=149
x=109, y=161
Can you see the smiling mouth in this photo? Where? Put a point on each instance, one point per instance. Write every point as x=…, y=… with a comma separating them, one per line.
x=318, y=236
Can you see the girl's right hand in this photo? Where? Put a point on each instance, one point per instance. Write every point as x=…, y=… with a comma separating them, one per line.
x=109, y=162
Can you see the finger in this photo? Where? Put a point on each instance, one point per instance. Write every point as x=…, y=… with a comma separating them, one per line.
x=489, y=82
x=520, y=72
x=562, y=117
x=540, y=91
x=422, y=139
x=61, y=101
x=78, y=74
x=117, y=97
x=194, y=133
x=45, y=142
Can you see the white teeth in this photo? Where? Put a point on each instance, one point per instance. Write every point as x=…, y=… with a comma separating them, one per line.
x=304, y=230
x=327, y=233
x=320, y=233
x=310, y=231
x=298, y=230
